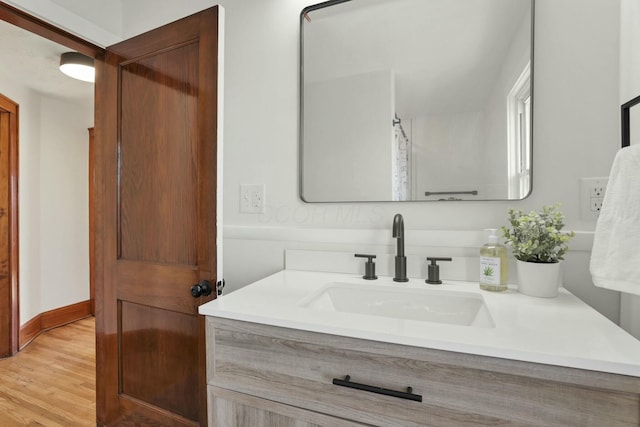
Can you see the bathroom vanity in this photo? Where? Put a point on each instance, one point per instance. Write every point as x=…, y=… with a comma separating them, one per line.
x=316, y=348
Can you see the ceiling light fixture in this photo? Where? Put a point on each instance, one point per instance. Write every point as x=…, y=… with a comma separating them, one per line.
x=78, y=66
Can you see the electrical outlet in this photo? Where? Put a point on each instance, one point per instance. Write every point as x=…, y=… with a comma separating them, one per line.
x=592, y=191
x=252, y=198
x=596, y=204
x=597, y=188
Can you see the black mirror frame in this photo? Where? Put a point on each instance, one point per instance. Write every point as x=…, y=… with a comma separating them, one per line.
x=304, y=17
x=626, y=121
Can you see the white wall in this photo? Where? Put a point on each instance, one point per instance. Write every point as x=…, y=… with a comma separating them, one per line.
x=443, y=140
x=97, y=21
x=496, y=155
x=53, y=200
x=629, y=89
x=576, y=112
x=629, y=48
x=576, y=134
x=64, y=203
x=106, y=14
x=474, y=141
x=348, y=147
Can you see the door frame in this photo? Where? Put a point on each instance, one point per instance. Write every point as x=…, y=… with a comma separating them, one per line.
x=92, y=224
x=11, y=108
x=49, y=31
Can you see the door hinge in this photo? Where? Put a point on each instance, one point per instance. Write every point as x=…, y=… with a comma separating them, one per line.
x=219, y=287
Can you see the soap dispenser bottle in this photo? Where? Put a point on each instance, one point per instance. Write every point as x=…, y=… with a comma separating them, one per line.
x=494, y=264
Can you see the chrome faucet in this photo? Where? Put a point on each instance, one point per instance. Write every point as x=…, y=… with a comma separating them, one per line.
x=401, y=260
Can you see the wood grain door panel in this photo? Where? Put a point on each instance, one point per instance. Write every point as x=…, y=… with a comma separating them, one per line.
x=165, y=281
x=158, y=181
x=174, y=369
x=156, y=130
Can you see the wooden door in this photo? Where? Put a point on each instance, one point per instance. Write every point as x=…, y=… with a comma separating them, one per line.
x=155, y=135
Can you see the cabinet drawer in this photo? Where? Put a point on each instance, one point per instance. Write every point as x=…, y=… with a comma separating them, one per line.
x=297, y=368
x=232, y=409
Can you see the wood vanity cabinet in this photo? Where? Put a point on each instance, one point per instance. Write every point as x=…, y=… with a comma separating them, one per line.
x=228, y=408
x=260, y=375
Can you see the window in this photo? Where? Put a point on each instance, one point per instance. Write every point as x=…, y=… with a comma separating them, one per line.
x=519, y=135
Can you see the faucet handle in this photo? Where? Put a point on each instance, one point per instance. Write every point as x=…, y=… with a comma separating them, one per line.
x=369, y=266
x=433, y=270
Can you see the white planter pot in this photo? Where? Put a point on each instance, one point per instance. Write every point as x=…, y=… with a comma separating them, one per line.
x=538, y=280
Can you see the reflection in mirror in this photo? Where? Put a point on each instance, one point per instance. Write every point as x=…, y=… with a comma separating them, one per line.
x=416, y=100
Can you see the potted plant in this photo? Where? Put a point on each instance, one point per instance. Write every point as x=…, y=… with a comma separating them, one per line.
x=538, y=243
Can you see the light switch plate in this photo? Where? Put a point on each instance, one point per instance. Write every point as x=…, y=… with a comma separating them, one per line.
x=252, y=198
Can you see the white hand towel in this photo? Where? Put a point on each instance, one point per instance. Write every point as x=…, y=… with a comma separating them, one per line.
x=615, y=258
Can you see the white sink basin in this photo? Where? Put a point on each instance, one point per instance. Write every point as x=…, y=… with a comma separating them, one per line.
x=425, y=305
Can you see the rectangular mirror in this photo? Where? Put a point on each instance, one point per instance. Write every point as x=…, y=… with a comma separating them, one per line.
x=416, y=100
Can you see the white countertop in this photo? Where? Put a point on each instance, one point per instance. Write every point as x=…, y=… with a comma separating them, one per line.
x=562, y=331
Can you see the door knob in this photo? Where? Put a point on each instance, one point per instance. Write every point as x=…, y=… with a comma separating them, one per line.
x=203, y=288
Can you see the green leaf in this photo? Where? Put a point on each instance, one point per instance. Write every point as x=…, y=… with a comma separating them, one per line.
x=488, y=271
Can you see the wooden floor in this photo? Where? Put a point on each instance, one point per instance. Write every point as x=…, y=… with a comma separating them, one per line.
x=52, y=381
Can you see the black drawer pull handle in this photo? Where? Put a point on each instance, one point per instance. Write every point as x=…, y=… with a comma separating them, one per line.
x=401, y=394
